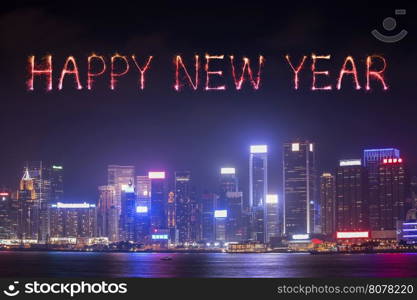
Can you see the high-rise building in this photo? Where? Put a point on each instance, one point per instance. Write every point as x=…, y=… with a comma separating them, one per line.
x=208, y=202
x=56, y=175
x=258, y=188
x=372, y=158
x=158, y=200
x=299, y=175
x=108, y=213
x=328, y=203
x=5, y=214
x=28, y=209
x=235, y=231
x=183, y=203
x=73, y=220
x=272, y=229
x=351, y=196
x=127, y=227
x=392, y=193
x=40, y=173
x=120, y=176
x=143, y=208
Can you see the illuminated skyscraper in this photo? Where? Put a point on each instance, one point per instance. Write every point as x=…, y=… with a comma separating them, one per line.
x=183, y=203
x=272, y=229
x=235, y=231
x=73, y=220
x=392, y=193
x=371, y=160
x=56, y=175
x=143, y=208
x=108, y=213
x=120, y=176
x=5, y=214
x=28, y=209
x=128, y=214
x=351, y=196
x=208, y=202
x=258, y=188
x=40, y=173
x=328, y=203
x=299, y=187
x=158, y=200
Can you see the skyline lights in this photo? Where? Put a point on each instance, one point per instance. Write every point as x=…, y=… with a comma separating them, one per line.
x=258, y=149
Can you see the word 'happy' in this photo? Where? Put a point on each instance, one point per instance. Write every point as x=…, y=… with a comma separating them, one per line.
x=200, y=74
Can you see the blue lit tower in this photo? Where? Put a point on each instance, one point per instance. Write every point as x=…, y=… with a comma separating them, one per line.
x=372, y=158
x=258, y=189
x=299, y=175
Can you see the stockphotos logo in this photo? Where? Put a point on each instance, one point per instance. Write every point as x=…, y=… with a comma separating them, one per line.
x=71, y=289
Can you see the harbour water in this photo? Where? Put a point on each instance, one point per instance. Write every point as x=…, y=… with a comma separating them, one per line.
x=278, y=265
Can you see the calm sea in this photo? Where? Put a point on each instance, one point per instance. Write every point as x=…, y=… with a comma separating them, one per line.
x=87, y=264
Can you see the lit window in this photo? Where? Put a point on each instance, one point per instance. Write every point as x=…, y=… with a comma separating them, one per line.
x=295, y=147
x=311, y=147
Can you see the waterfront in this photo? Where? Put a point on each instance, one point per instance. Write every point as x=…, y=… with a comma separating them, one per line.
x=90, y=264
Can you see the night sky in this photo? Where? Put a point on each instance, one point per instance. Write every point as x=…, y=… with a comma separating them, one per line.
x=159, y=128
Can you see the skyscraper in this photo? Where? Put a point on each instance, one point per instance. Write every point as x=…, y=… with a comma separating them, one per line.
x=143, y=209
x=183, y=203
x=5, y=214
x=351, y=196
x=327, y=203
x=371, y=160
x=391, y=192
x=127, y=227
x=299, y=174
x=40, y=173
x=108, y=213
x=158, y=200
x=28, y=209
x=272, y=229
x=208, y=202
x=56, y=175
x=120, y=176
x=258, y=188
x=235, y=219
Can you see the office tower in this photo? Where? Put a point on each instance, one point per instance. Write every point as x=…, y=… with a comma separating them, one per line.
x=73, y=220
x=235, y=231
x=392, y=193
x=220, y=219
x=158, y=200
x=228, y=182
x=40, y=174
x=372, y=158
x=120, y=176
x=208, y=202
x=5, y=214
x=108, y=214
x=183, y=206
x=299, y=174
x=172, y=219
x=57, y=183
x=258, y=188
x=127, y=227
x=28, y=209
x=328, y=203
x=351, y=196
x=143, y=209
x=272, y=229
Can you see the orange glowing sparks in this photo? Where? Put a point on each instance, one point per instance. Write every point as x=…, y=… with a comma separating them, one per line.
x=40, y=70
x=90, y=74
x=352, y=71
x=211, y=73
x=113, y=74
x=296, y=70
x=71, y=71
x=179, y=64
x=142, y=70
x=378, y=75
x=315, y=73
x=246, y=68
